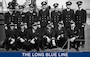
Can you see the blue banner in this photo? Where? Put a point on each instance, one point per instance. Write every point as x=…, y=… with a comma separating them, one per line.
x=44, y=54
x=79, y=54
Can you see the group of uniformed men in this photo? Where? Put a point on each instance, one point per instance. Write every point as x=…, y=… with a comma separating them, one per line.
x=32, y=30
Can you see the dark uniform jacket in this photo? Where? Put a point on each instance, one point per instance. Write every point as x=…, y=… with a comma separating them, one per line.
x=9, y=18
x=44, y=17
x=50, y=34
x=73, y=33
x=16, y=16
x=11, y=33
x=60, y=32
x=38, y=33
x=22, y=34
x=68, y=16
x=30, y=18
x=56, y=16
x=80, y=17
x=20, y=17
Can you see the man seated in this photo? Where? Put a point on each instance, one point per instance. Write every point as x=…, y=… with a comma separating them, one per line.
x=22, y=37
x=49, y=35
x=35, y=35
x=61, y=35
x=73, y=34
x=10, y=40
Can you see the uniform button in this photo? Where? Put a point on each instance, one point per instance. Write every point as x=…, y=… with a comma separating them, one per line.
x=55, y=19
x=29, y=21
x=79, y=16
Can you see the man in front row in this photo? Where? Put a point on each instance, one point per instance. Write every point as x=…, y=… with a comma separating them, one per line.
x=49, y=35
x=10, y=41
x=21, y=41
x=61, y=35
x=73, y=33
x=35, y=35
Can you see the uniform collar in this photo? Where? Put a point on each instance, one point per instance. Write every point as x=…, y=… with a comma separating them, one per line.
x=43, y=9
x=68, y=9
x=56, y=10
x=80, y=9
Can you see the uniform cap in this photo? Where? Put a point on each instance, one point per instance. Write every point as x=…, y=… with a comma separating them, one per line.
x=55, y=5
x=11, y=5
x=44, y=3
x=68, y=3
x=79, y=3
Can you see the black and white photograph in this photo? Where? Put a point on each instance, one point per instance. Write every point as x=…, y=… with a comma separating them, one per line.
x=44, y=25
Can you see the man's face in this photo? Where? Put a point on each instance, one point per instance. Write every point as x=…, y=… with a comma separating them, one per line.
x=49, y=26
x=60, y=26
x=22, y=27
x=21, y=10
x=35, y=27
x=11, y=27
x=68, y=6
x=31, y=9
x=79, y=6
x=73, y=25
x=44, y=7
x=11, y=10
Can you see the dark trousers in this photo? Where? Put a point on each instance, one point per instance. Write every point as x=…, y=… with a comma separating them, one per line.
x=82, y=35
x=39, y=44
x=75, y=44
x=7, y=45
x=61, y=42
